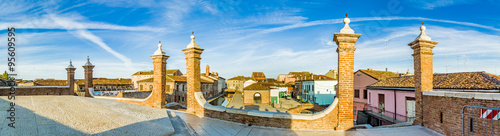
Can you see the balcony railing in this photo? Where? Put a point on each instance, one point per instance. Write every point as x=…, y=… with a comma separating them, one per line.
x=388, y=115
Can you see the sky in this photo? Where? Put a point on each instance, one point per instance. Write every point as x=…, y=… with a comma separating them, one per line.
x=241, y=36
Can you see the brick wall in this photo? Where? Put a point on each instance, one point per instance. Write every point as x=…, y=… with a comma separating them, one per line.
x=143, y=94
x=451, y=106
x=327, y=120
x=37, y=90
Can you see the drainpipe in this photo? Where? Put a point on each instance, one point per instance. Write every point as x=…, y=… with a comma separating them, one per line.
x=395, y=109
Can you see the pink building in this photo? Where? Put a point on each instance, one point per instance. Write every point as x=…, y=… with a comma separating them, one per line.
x=286, y=78
x=362, y=79
x=392, y=100
x=397, y=103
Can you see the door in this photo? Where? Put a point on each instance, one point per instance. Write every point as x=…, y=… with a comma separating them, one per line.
x=381, y=103
x=410, y=109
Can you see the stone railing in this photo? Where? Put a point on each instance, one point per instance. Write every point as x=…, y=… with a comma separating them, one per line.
x=324, y=120
x=37, y=90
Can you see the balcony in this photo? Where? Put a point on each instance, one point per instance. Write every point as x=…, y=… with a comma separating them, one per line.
x=387, y=116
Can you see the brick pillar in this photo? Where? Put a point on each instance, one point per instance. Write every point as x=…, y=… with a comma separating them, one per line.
x=193, y=57
x=88, y=68
x=159, y=78
x=345, y=41
x=71, y=78
x=422, y=61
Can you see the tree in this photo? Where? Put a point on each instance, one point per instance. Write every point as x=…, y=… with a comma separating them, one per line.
x=5, y=75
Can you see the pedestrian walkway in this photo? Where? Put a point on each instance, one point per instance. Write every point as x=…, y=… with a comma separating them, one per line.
x=215, y=127
x=73, y=115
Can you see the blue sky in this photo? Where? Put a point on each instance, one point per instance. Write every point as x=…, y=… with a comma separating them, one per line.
x=241, y=36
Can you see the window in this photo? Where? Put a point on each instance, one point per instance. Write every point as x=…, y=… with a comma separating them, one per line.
x=356, y=93
x=365, y=94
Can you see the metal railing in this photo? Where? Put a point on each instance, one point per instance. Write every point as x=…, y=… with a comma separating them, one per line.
x=479, y=120
x=388, y=115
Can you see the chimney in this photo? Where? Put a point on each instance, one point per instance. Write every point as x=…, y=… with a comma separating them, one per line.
x=386, y=69
x=207, y=73
x=370, y=69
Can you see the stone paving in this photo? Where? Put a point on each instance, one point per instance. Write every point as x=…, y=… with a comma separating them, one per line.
x=215, y=127
x=73, y=115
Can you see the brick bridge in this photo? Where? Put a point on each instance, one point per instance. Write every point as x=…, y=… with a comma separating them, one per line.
x=338, y=116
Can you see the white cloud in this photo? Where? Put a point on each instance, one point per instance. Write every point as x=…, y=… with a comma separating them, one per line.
x=91, y=37
x=70, y=22
x=432, y=4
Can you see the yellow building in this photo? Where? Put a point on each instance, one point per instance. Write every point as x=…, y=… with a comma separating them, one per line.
x=256, y=94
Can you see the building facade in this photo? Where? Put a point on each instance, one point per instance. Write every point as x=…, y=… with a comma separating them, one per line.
x=256, y=94
x=105, y=84
x=362, y=79
x=140, y=75
x=393, y=100
x=237, y=82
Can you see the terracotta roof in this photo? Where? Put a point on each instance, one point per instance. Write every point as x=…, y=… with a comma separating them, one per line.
x=172, y=78
x=230, y=90
x=463, y=80
x=323, y=77
x=240, y=78
x=106, y=81
x=50, y=82
x=258, y=74
x=168, y=71
x=256, y=86
x=379, y=75
x=143, y=73
x=304, y=73
x=146, y=80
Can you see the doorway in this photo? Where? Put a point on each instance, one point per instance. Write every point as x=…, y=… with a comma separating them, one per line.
x=381, y=103
x=410, y=109
x=257, y=98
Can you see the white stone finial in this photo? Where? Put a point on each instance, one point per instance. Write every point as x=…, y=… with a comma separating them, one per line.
x=422, y=35
x=346, y=29
x=159, y=51
x=70, y=64
x=192, y=44
x=88, y=62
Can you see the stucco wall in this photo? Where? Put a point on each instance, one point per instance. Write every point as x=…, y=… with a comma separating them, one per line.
x=390, y=103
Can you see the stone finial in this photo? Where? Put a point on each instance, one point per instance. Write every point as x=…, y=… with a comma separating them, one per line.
x=159, y=51
x=88, y=62
x=70, y=64
x=422, y=35
x=192, y=44
x=346, y=29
